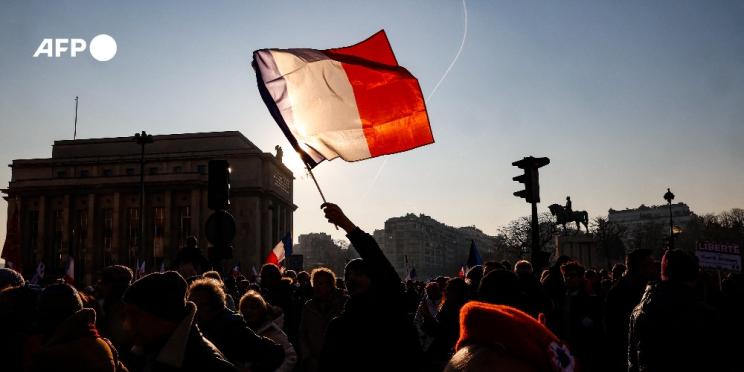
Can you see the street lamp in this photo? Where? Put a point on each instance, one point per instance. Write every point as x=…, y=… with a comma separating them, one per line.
x=669, y=197
x=142, y=139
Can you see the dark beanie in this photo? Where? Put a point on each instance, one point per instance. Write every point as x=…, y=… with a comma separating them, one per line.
x=160, y=294
x=57, y=303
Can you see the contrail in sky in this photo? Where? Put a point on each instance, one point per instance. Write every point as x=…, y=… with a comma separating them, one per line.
x=428, y=98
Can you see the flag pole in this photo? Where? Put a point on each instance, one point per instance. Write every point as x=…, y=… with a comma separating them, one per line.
x=310, y=170
x=74, y=133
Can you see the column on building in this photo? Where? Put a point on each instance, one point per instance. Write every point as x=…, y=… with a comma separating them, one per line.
x=90, y=263
x=40, y=234
x=116, y=231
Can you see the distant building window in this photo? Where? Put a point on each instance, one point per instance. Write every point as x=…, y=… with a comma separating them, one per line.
x=84, y=173
x=153, y=170
x=177, y=169
x=130, y=171
x=202, y=169
x=108, y=172
x=61, y=174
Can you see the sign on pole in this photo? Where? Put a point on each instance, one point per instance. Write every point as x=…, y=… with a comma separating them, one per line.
x=719, y=256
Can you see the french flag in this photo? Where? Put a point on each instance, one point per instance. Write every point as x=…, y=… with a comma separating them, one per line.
x=280, y=251
x=354, y=102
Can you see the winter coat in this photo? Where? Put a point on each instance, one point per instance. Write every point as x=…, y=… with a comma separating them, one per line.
x=670, y=330
x=316, y=317
x=240, y=345
x=619, y=304
x=273, y=331
x=373, y=332
x=186, y=350
x=76, y=346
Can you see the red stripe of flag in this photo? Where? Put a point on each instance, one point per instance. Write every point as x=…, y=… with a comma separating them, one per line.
x=388, y=97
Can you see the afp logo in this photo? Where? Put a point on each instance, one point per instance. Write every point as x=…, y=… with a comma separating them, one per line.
x=102, y=48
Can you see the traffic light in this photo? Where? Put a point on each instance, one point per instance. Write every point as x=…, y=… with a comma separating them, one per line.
x=218, y=194
x=530, y=178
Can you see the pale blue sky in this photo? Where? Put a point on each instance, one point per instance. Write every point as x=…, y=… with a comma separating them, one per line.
x=626, y=98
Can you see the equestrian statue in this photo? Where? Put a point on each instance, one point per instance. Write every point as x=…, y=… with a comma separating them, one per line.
x=566, y=215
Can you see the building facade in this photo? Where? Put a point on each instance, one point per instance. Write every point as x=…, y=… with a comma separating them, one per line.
x=84, y=201
x=632, y=219
x=319, y=249
x=430, y=246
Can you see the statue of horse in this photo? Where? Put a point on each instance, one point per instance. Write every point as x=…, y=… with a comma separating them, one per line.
x=563, y=217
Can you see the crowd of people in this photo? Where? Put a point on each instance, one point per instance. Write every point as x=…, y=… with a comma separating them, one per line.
x=642, y=316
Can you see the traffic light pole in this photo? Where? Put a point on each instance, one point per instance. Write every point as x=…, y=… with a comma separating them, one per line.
x=535, y=231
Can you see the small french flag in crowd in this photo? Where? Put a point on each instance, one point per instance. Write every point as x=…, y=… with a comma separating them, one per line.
x=280, y=251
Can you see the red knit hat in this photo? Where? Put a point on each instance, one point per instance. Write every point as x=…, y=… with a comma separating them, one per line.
x=518, y=334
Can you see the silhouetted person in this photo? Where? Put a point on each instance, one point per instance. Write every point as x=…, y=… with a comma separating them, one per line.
x=229, y=300
x=373, y=331
x=114, y=282
x=279, y=292
x=326, y=303
x=19, y=338
x=70, y=338
x=501, y=287
x=580, y=322
x=164, y=329
x=190, y=260
x=228, y=331
x=535, y=299
x=621, y=299
x=670, y=329
x=10, y=278
x=447, y=327
x=473, y=278
x=555, y=288
x=266, y=323
x=732, y=308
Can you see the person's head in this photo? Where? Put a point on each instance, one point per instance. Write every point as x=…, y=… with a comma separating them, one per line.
x=18, y=309
x=433, y=291
x=640, y=265
x=209, y=297
x=324, y=283
x=303, y=278
x=501, y=335
x=155, y=304
x=57, y=303
x=523, y=268
x=455, y=292
x=192, y=242
x=10, y=278
x=341, y=284
x=489, y=266
x=270, y=275
x=115, y=280
x=254, y=308
x=573, y=274
x=561, y=260
x=213, y=275
x=474, y=275
x=500, y=287
x=356, y=276
x=291, y=274
x=618, y=270
x=679, y=266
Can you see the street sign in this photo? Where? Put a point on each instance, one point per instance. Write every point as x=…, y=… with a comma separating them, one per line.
x=719, y=256
x=220, y=228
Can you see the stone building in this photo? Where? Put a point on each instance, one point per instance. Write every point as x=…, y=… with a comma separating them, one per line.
x=84, y=201
x=319, y=249
x=430, y=246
